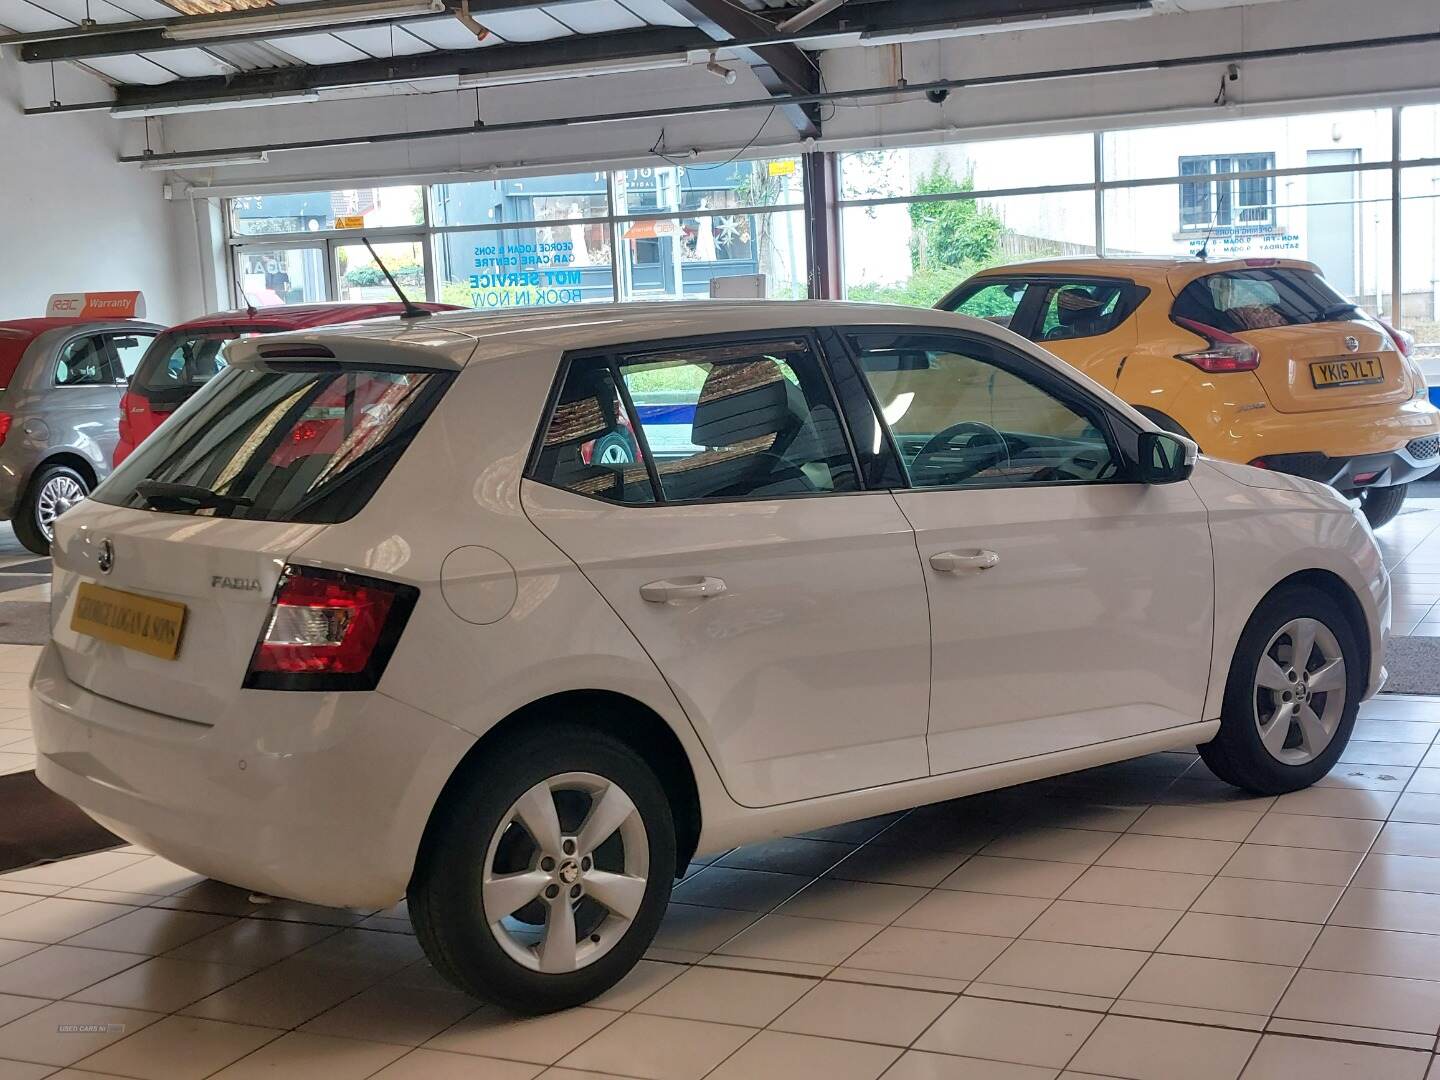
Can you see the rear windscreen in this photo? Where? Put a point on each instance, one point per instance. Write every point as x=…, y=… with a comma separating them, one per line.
x=294, y=444
x=180, y=361
x=1239, y=300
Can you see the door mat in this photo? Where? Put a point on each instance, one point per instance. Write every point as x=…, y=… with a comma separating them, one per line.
x=36, y=825
x=1413, y=663
x=24, y=622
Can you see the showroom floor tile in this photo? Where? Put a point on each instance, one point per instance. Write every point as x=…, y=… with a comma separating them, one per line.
x=1140, y=921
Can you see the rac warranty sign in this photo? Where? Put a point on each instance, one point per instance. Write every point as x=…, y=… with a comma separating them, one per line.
x=96, y=305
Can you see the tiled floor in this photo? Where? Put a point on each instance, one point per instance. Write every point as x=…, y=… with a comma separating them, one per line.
x=1141, y=921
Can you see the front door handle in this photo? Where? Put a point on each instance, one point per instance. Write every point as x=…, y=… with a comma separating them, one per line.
x=688, y=588
x=949, y=562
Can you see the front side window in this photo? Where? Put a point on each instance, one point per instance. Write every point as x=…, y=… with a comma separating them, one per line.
x=84, y=362
x=129, y=350
x=1081, y=309
x=997, y=302
x=963, y=415
x=735, y=421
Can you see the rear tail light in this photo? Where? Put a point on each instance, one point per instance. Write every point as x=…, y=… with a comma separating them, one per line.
x=128, y=403
x=5, y=421
x=1405, y=342
x=1222, y=353
x=329, y=630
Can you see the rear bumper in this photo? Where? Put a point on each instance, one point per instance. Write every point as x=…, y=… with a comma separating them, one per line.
x=315, y=797
x=1414, y=461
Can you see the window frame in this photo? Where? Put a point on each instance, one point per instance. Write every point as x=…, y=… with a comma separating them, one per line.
x=613, y=356
x=1233, y=180
x=106, y=352
x=1121, y=435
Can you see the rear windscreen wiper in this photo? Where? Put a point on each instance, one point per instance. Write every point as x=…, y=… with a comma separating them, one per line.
x=1335, y=311
x=161, y=495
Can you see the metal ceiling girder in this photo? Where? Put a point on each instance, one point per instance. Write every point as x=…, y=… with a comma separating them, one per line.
x=782, y=69
x=149, y=35
x=416, y=67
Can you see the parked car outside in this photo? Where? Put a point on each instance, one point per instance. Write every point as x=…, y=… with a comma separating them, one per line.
x=185, y=357
x=866, y=558
x=61, y=381
x=1260, y=361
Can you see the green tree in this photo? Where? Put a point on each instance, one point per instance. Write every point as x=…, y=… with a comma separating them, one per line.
x=951, y=232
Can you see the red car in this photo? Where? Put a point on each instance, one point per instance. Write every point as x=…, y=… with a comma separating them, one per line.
x=185, y=357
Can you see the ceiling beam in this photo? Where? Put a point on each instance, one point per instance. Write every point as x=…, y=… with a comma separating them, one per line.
x=150, y=35
x=783, y=69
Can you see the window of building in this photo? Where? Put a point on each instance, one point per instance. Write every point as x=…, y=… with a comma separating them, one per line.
x=1222, y=198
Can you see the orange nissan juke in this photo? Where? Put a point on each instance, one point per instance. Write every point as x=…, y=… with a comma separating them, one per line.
x=1258, y=360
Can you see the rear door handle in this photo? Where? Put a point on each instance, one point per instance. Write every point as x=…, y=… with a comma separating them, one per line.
x=949, y=562
x=688, y=588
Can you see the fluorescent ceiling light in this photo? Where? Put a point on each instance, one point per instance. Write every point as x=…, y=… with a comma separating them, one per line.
x=258, y=157
x=572, y=71
x=275, y=20
x=210, y=104
x=1003, y=24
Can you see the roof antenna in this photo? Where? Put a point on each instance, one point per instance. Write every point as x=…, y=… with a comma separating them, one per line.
x=249, y=305
x=412, y=311
x=1203, y=252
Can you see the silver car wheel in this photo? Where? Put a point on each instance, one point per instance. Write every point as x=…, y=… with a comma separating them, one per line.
x=58, y=494
x=565, y=873
x=1300, y=686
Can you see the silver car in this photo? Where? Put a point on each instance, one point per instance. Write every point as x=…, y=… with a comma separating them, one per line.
x=60, y=386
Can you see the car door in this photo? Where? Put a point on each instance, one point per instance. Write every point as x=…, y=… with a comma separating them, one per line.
x=709, y=492
x=1068, y=604
x=1086, y=322
x=81, y=407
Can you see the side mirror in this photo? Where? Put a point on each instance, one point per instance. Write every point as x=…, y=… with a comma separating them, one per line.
x=1166, y=458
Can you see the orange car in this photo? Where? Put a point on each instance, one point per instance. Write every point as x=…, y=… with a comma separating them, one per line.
x=1258, y=360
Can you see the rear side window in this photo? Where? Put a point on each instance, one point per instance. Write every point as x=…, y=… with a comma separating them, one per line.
x=180, y=361
x=720, y=421
x=1081, y=309
x=292, y=444
x=84, y=362
x=13, y=344
x=590, y=446
x=1259, y=299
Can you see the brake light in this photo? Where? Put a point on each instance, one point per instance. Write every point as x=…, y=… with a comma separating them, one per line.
x=1223, y=352
x=1403, y=341
x=1262, y=262
x=329, y=630
x=5, y=421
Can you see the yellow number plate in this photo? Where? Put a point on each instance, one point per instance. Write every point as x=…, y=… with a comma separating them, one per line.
x=1325, y=373
x=132, y=622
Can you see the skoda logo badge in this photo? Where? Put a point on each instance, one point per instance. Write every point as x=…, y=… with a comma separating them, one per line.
x=1353, y=344
x=105, y=557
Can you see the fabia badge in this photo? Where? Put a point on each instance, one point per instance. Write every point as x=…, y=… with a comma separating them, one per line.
x=239, y=584
x=105, y=557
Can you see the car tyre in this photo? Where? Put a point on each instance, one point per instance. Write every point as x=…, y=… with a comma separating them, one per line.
x=52, y=490
x=1284, y=724
x=1381, y=505
x=494, y=830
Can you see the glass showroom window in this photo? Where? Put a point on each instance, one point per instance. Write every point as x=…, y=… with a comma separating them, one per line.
x=321, y=211
x=1420, y=229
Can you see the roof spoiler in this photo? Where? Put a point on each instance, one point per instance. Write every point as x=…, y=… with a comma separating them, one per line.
x=430, y=353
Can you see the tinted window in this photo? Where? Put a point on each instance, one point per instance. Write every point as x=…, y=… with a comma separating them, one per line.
x=963, y=414
x=84, y=362
x=1081, y=309
x=996, y=302
x=732, y=421
x=295, y=445
x=589, y=446
x=1238, y=300
x=182, y=360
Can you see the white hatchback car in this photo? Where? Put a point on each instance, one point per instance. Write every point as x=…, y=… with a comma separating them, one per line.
x=512, y=614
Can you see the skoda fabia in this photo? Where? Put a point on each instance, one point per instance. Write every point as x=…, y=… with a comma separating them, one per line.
x=369, y=618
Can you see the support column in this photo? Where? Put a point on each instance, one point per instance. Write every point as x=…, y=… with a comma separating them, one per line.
x=822, y=224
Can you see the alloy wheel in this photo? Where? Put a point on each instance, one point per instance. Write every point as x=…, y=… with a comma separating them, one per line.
x=58, y=494
x=566, y=873
x=1299, y=694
